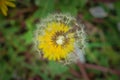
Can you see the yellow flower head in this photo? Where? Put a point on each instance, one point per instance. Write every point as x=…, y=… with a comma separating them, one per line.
x=4, y=4
x=55, y=43
x=57, y=38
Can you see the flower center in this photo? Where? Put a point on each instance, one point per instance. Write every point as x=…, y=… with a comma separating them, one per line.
x=60, y=40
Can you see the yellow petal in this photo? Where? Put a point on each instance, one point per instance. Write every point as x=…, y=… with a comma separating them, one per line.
x=4, y=9
x=10, y=4
x=4, y=12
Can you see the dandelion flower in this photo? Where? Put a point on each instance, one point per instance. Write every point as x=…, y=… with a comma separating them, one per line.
x=60, y=37
x=4, y=4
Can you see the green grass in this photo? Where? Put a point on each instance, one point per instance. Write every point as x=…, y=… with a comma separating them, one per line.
x=18, y=60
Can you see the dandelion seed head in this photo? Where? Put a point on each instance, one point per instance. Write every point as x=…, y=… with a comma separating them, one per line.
x=61, y=38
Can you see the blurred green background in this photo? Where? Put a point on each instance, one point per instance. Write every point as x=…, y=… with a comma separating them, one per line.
x=18, y=60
